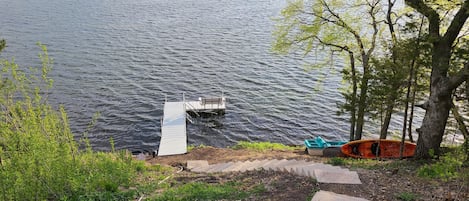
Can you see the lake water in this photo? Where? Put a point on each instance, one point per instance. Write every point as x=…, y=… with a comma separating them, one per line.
x=122, y=58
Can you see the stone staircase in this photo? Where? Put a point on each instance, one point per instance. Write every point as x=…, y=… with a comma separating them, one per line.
x=322, y=173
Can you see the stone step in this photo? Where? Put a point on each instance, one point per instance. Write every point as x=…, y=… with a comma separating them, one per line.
x=345, y=177
x=308, y=170
x=219, y=167
x=293, y=166
x=256, y=164
x=281, y=166
x=191, y=164
x=323, y=173
x=277, y=166
x=200, y=169
x=198, y=165
x=330, y=196
x=268, y=163
x=233, y=167
x=248, y=165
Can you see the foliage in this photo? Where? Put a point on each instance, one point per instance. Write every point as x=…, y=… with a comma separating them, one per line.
x=204, y=191
x=407, y=196
x=447, y=167
x=394, y=76
x=334, y=26
x=446, y=30
x=261, y=146
x=39, y=159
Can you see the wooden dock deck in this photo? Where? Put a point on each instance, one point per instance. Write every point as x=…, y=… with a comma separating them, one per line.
x=173, y=127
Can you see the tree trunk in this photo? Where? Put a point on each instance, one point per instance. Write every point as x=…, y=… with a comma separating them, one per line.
x=354, y=97
x=441, y=86
x=439, y=104
x=411, y=115
x=362, y=100
x=433, y=126
x=387, y=120
x=388, y=113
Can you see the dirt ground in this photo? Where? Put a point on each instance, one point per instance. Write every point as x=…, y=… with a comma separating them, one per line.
x=378, y=183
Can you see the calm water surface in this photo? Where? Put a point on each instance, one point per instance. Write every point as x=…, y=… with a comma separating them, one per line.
x=122, y=58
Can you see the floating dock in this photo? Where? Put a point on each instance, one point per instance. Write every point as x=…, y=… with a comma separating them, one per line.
x=173, y=126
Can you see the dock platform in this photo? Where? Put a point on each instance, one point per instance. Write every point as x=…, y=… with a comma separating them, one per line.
x=173, y=127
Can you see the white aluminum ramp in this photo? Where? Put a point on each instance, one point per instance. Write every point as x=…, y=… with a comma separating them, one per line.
x=173, y=130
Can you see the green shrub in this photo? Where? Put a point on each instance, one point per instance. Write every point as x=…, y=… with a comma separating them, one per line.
x=39, y=159
x=447, y=167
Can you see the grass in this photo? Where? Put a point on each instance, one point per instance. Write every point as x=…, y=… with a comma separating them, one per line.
x=357, y=163
x=336, y=161
x=205, y=191
x=262, y=146
x=192, y=147
x=153, y=178
x=158, y=182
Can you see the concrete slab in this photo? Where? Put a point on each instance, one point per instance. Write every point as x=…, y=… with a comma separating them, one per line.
x=268, y=163
x=219, y=167
x=256, y=164
x=246, y=166
x=337, y=177
x=291, y=168
x=201, y=168
x=305, y=171
x=196, y=163
x=234, y=167
x=330, y=196
x=277, y=164
x=308, y=170
x=280, y=164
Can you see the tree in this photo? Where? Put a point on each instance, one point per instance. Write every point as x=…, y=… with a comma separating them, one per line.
x=441, y=83
x=386, y=89
x=323, y=23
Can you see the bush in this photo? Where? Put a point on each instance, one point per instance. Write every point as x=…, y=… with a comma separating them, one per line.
x=446, y=168
x=39, y=158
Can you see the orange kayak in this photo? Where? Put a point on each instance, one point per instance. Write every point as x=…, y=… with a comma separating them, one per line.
x=377, y=148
